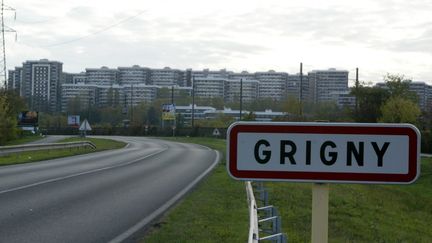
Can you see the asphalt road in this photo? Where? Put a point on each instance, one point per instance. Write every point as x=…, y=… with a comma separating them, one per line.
x=98, y=197
x=49, y=139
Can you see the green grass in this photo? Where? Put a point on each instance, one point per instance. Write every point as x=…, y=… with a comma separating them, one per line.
x=26, y=157
x=22, y=140
x=217, y=211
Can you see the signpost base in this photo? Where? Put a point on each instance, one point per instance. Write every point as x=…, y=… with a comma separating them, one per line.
x=320, y=199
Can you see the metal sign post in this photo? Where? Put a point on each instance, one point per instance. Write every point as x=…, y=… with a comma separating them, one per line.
x=320, y=201
x=321, y=153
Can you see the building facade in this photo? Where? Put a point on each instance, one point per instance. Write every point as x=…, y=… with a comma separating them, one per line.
x=232, y=90
x=102, y=76
x=272, y=84
x=323, y=83
x=134, y=75
x=41, y=83
x=166, y=77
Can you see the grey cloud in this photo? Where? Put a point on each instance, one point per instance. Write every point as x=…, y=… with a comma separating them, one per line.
x=420, y=44
x=153, y=53
x=80, y=12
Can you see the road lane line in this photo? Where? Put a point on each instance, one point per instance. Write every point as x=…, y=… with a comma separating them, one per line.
x=81, y=173
x=128, y=233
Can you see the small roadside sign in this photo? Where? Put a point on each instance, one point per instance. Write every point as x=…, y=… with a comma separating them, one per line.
x=85, y=126
x=216, y=132
x=324, y=152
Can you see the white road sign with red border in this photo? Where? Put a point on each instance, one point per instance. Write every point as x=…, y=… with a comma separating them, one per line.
x=324, y=152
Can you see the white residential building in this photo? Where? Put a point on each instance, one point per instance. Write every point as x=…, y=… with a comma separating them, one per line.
x=272, y=84
x=102, y=76
x=86, y=94
x=209, y=87
x=166, y=77
x=249, y=90
x=40, y=85
x=322, y=83
x=134, y=75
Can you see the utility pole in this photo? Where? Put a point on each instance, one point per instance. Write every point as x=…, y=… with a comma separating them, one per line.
x=241, y=99
x=301, y=89
x=193, y=101
x=4, y=28
x=356, y=91
x=131, y=101
x=172, y=94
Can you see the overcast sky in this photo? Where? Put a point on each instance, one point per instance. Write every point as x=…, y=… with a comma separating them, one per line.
x=377, y=36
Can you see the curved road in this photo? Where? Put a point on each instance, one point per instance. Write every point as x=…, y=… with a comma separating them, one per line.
x=98, y=197
x=50, y=139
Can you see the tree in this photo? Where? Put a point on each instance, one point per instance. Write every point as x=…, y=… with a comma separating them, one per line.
x=116, y=99
x=74, y=105
x=152, y=116
x=110, y=97
x=399, y=86
x=400, y=110
x=370, y=100
x=221, y=120
x=7, y=122
x=328, y=111
x=249, y=117
x=16, y=103
x=293, y=106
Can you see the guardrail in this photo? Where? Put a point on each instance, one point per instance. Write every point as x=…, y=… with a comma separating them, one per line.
x=6, y=150
x=253, y=215
x=270, y=224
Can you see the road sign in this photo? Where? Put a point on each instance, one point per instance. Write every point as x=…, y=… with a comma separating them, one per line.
x=73, y=120
x=324, y=152
x=85, y=126
x=216, y=132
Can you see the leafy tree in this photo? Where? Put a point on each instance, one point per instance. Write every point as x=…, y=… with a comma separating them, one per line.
x=218, y=122
x=369, y=101
x=163, y=93
x=140, y=114
x=74, y=105
x=180, y=121
x=400, y=110
x=293, y=106
x=398, y=86
x=110, y=97
x=328, y=111
x=249, y=117
x=116, y=99
x=152, y=116
x=7, y=122
x=16, y=103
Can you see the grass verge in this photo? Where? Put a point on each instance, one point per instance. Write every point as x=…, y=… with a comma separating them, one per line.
x=26, y=157
x=216, y=211
x=25, y=139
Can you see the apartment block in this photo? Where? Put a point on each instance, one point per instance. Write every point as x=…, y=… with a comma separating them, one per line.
x=102, y=76
x=134, y=75
x=86, y=94
x=136, y=94
x=209, y=87
x=294, y=81
x=249, y=90
x=272, y=84
x=15, y=80
x=421, y=89
x=322, y=83
x=223, y=73
x=166, y=77
x=40, y=85
x=245, y=75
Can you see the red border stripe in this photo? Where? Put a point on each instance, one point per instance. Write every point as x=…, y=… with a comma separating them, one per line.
x=324, y=176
